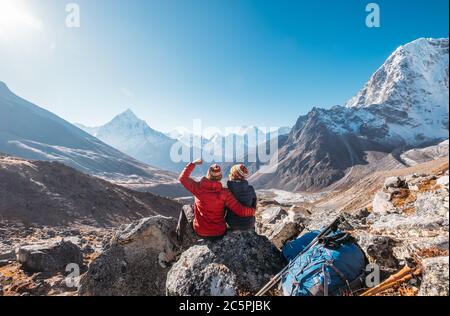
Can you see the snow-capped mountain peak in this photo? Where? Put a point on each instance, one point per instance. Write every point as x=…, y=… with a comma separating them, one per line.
x=404, y=104
x=415, y=75
x=127, y=115
x=406, y=100
x=133, y=136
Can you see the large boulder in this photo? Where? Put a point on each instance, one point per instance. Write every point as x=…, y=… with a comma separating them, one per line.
x=435, y=277
x=239, y=263
x=136, y=262
x=279, y=225
x=285, y=230
x=382, y=203
x=49, y=257
x=267, y=217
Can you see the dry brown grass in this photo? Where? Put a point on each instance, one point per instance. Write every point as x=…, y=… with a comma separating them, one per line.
x=432, y=253
x=427, y=185
x=403, y=197
x=18, y=281
x=400, y=290
x=441, y=169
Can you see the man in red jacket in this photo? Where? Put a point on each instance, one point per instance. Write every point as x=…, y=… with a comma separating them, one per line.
x=211, y=200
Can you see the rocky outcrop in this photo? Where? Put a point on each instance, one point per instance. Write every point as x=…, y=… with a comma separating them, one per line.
x=49, y=257
x=136, y=261
x=435, y=277
x=412, y=229
x=240, y=263
x=379, y=249
x=278, y=224
x=417, y=215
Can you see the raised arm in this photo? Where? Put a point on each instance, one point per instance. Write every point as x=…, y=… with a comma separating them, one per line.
x=185, y=179
x=237, y=207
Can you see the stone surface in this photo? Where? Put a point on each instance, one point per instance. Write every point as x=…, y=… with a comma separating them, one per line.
x=8, y=255
x=49, y=257
x=393, y=182
x=241, y=262
x=443, y=181
x=378, y=249
x=136, y=262
x=382, y=203
x=284, y=231
x=435, y=277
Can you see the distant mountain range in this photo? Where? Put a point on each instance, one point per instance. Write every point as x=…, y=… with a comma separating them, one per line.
x=404, y=105
x=135, y=137
x=30, y=132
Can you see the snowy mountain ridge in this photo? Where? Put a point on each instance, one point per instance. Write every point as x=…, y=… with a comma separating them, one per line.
x=404, y=105
x=404, y=102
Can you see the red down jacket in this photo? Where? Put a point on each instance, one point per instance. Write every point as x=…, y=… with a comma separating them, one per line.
x=211, y=199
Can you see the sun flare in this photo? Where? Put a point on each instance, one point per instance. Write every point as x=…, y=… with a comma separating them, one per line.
x=16, y=18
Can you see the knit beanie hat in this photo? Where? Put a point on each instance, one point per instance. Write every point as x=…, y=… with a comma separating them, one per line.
x=239, y=172
x=214, y=173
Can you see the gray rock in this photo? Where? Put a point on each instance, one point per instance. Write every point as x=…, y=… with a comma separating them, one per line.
x=395, y=182
x=379, y=250
x=432, y=204
x=382, y=203
x=443, y=181
x=285, y=230
x=272, y=214
x=196, y=274
x=8, y=255
x=136, y=262
x=87, y=249
x=49, y=257
x=241, y=261
x=435, y=278
x=409, y=247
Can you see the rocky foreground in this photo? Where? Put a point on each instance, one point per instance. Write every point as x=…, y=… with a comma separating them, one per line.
x=407, y=224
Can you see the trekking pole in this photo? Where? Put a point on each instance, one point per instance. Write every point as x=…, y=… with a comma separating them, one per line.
x=332, y=227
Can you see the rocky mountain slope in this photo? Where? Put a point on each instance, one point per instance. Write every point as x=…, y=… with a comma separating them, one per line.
x=404, y=105
x=403, y=225
x=406, y=228
x=52, y=194
x=31, y=132
x=419, y=155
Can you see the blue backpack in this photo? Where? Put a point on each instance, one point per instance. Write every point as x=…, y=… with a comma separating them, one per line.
x=333, y=266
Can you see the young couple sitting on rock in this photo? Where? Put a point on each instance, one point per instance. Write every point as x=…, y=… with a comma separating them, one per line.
x=216, y=208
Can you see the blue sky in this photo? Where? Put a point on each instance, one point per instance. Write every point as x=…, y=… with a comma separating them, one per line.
x=227, y=62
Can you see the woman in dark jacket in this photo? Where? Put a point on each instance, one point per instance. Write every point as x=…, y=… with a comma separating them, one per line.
x=245, y=194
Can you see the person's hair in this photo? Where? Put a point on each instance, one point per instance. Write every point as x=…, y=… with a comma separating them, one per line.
x=214, y=178
x=214, y=173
